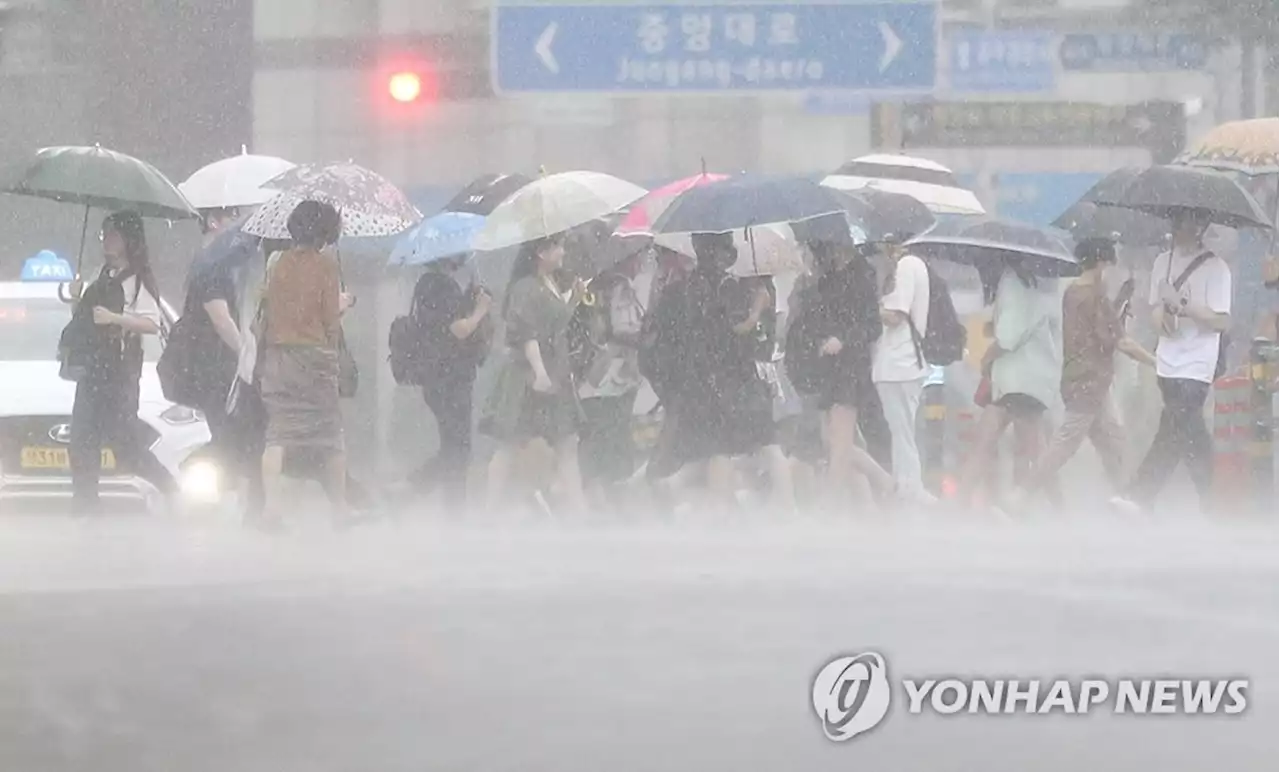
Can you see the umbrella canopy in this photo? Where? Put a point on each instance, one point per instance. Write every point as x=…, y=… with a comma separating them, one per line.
x=1087, y=219
x=1249, y=147
x=554, y=204
x=234, y=182
x=764, y=250
x=747, y=201
x=973, y=241
x=439, y=236
x=231, y=249
x=881, y=214
x=645, y=211
x=1173, y=191
x=483, y=194
x=930, y=183
x=97, y=177
x=370, y=205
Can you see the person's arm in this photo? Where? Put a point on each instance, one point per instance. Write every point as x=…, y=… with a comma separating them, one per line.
x=142, y=318
x=466, y=326
x=220, y=316
x=759, y=302
x=1134, y=350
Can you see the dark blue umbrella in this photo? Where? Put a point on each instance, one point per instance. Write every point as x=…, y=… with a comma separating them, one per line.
x=975, y=241
x=485, y=192
x=1175, y=191
x=231, y=250
x=746, y=201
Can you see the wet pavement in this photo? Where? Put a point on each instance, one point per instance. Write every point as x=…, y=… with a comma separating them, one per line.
x=136, y=645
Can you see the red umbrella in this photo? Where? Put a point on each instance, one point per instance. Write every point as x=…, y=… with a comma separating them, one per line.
x=646, y=210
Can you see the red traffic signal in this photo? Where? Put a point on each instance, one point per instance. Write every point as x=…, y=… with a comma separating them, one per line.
x=405, y=87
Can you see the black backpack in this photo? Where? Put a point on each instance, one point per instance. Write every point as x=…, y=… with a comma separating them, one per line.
x=945, y=337
x=407, y=343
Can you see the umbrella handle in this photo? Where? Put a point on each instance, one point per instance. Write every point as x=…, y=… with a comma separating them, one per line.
x=84, y=232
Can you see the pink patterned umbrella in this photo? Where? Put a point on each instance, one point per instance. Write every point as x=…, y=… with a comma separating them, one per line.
x=647, y=209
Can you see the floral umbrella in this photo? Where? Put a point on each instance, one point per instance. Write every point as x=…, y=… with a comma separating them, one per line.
x=369, y=203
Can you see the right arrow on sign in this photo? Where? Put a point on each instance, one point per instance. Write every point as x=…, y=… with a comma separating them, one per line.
x=543, y=48
x=892, y=45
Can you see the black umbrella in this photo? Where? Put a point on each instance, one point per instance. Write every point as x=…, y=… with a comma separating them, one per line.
x=1174, y=191
x=1087, y=219
x=484, y=193
x=882, y=214
x=746, y=201
x=974, y=241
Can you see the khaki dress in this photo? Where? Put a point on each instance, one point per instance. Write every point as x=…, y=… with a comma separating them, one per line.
x=515, y=412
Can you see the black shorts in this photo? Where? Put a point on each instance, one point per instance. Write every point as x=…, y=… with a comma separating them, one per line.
x=1022, y=405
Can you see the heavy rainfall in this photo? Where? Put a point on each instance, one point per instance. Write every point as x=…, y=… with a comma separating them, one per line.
x=414, y=385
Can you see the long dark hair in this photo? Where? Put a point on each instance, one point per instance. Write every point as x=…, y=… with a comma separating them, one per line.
x=991, y=271
x=526, y=265
x=129, y=225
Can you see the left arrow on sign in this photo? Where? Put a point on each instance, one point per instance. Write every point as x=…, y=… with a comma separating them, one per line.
x=543, y=48
x=892, y=45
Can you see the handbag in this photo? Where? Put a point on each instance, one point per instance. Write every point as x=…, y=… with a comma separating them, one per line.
x=179, y=367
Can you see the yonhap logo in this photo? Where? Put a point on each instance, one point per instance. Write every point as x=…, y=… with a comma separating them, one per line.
x=851, y=695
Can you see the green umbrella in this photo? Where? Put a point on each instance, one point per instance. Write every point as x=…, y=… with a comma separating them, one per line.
x=97, y=177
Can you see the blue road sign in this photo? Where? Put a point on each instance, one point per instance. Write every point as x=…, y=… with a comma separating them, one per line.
x=47, y=266
x=654, y=48
x=1001, y=60
x=1127, y=51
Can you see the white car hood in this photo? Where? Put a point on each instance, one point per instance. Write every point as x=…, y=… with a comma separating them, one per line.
x=34, y=388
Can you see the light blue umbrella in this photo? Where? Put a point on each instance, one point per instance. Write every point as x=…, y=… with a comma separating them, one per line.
x=442, y=235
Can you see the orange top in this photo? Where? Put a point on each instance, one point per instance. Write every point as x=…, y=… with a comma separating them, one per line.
x=302, y=299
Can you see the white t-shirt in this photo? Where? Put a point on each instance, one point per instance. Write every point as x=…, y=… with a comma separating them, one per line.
x=143, y=304
x=895, y=357
x=1192, y=351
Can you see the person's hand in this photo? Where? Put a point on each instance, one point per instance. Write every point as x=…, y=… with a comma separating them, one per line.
x=831, y=347
x=102, y=316
x=76, y=289
x=483, y=299
x=542, y=384
x=989, y=357
x=345, y=300
x=579, y=291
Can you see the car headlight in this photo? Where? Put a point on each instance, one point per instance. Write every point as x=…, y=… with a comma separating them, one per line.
x=178, y=415
x=201, y=481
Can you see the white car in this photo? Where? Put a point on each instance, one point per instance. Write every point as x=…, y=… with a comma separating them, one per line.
x=35, y=412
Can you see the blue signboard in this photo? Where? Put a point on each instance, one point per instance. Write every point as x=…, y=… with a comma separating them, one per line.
x=47, y=266
x=1001, y=60
x=1126, y=51
x=640, y=48
x=1040, y=197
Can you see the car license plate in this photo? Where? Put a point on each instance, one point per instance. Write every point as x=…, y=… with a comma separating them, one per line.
x=59, y=458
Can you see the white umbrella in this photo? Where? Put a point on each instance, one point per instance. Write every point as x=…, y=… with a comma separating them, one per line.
x=930, y=183
x=554, y=204
x=766, y=250
x=234, y=182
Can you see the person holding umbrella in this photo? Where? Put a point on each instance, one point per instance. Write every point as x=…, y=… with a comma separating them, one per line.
x=302, y=309
x=111, y=315
x=448, y=315
x=534, y=396
x=1191, y=299
x=1022, y=368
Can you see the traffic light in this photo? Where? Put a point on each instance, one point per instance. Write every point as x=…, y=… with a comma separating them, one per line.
x=405, y=88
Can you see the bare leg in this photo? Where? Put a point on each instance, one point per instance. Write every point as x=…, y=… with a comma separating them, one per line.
x=1028, y=446
x=843, y=455
x=784, y=489
x=499, y=474
x=569, y=474
x=973, y=479
x=335, y=484
x=720, y=480
x=272, y=468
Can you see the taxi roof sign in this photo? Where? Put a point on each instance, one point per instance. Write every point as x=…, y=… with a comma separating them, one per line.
x=47, y=266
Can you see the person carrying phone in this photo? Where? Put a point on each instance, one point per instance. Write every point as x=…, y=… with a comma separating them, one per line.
x=1191, y=299
x=1092, y=332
